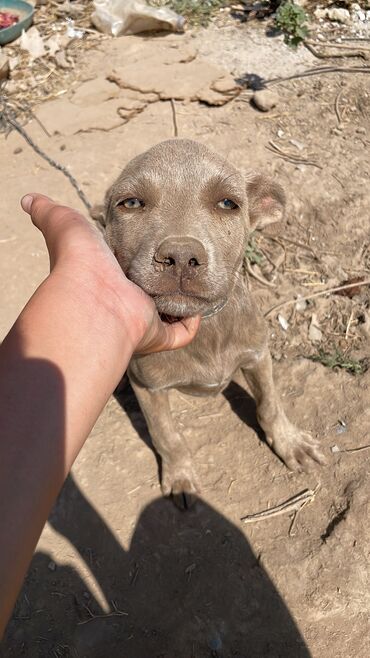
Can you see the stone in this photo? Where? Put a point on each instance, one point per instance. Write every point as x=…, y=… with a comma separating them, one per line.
x=265, y=100
x=336, y=14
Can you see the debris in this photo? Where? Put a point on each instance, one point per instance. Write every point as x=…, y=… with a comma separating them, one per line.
x=335, y=449
x=118, y=17
x=294, y=504
x=283, y=322
x=301, y=304
x=351, y=292
x=265, y=100
x=72, y=32
x=314, y=332
x=52, y=566
x=4, y=67
x=288, y=302
x=33, y=43
x=61, y=60
x=7, y=19
x=336, y=14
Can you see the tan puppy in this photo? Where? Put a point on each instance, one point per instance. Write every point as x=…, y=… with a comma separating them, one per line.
x=178, y=219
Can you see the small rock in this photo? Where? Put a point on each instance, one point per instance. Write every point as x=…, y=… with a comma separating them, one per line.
x=301, y=305
x=17, y=150
x=52, y=566
x=283, y=322
x=265, y=100
x=336, y=14
x=314, y=332
x=4, y=67
x=361, y=130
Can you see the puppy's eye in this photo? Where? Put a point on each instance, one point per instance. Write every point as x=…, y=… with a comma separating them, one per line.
x=131, y=203
x=227, y=204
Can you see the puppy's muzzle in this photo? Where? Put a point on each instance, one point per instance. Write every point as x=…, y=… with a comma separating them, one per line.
x=181, y=258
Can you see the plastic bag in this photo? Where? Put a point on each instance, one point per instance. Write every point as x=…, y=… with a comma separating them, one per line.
x=118, y=17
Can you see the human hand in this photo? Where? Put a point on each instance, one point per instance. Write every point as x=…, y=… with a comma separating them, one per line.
x=79, y=254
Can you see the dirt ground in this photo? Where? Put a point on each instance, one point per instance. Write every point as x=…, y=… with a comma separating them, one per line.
x=119, y=571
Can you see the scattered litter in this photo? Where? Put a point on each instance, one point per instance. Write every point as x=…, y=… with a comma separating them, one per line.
x=301, y=304
x=355, y=290
x=33, y=43
x=7, y=19
x=341, y=428
x=4, y=67
x=72, y=32
x=314, y=331
x=118, y=17
x=283, y=322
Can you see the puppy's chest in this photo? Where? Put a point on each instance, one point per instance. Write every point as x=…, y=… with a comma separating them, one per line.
x=194, y=370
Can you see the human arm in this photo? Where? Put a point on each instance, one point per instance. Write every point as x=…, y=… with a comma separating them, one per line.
x=59, y=364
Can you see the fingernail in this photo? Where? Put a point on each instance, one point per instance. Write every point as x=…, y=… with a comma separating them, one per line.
x=26, y=203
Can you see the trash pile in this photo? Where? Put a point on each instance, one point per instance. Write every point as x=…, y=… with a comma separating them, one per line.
x=7, y=19
x=40, y=64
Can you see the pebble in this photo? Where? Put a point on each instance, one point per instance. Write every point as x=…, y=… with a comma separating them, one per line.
x=265, y=100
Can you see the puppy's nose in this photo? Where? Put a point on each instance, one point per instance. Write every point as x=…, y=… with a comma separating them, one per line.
x=181, y=255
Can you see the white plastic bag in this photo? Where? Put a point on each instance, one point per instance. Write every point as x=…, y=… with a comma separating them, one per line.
x=118, y=17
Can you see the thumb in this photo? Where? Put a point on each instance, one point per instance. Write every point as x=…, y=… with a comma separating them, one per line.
x=163, y=336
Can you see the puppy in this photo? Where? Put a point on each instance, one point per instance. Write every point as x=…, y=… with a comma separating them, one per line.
x=178, y=219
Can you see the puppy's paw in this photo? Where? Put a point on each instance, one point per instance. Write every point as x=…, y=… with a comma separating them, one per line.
x=298, y=449
x=180, y=479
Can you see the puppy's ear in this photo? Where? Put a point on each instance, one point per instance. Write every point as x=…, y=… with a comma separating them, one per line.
x=98, y=214
x=266, y=200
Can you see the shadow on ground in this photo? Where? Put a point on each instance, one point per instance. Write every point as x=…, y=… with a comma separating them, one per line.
x=190, y=584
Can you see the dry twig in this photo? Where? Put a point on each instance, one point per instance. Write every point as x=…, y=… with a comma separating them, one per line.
x=174, y=118
x=288, y=302
x=293, y=504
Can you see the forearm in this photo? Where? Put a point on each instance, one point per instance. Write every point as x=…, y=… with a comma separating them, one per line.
x=58, y=366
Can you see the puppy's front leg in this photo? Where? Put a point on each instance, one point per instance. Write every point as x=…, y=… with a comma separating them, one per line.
x=295, y=447
x=178, y=475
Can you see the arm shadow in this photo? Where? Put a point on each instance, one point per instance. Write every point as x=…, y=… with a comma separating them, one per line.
x=190, y=586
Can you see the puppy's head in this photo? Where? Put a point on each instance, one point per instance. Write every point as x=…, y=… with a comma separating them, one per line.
x=177, y=220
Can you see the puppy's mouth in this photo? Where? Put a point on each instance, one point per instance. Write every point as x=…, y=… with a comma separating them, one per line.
x=174, y=306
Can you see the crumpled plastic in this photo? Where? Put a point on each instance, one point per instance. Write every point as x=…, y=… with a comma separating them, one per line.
x=32, y=41
x=119, y=17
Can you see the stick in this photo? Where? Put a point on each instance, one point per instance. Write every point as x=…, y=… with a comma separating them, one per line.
x=14, y=123
x=174, y=119
x=336, y=107
x=320, y=70
x=359, y=449
x=292, y=504
x=256, y=276
x=316, y=294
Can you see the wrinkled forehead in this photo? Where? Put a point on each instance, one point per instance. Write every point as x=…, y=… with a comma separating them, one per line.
x=180, y=165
